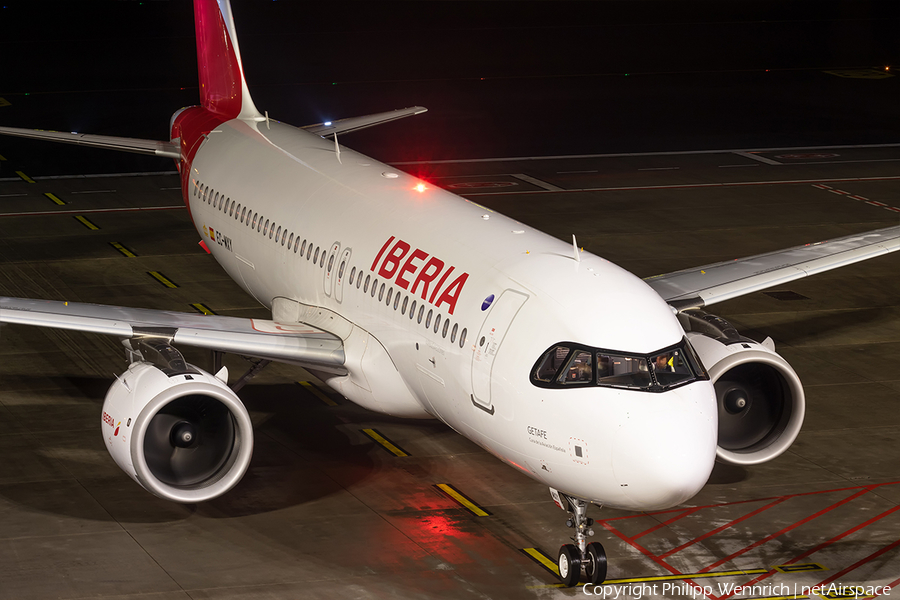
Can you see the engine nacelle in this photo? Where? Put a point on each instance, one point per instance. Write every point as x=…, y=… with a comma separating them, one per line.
x=183, y=435
x=760, y=398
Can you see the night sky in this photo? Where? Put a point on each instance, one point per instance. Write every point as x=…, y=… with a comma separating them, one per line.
x=499, y=78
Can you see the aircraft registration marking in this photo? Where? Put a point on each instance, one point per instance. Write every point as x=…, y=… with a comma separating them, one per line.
x=462, y=500
x=385, y=443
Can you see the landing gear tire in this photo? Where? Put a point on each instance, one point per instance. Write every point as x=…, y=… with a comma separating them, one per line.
x=595, y=563
x=569, y=564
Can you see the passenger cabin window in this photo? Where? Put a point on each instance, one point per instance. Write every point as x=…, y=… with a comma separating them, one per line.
x=569, y=365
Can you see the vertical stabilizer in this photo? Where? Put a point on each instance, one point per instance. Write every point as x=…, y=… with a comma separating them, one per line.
x=223, y=89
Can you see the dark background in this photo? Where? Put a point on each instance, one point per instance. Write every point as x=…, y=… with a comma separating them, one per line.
x=499, y=78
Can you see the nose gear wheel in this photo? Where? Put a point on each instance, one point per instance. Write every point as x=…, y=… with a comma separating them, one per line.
x=580, y=561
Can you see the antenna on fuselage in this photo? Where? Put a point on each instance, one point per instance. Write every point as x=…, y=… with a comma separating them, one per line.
x=575, y=249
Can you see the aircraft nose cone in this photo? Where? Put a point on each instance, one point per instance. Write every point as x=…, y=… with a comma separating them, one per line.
x=664, y=453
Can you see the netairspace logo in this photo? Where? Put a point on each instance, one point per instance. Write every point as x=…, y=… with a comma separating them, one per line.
x=643, y=590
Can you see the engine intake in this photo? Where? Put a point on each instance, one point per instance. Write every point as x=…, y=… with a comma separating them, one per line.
x=760, y=398
x=184, y=436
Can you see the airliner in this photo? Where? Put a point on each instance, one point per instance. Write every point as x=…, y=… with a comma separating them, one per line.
x=413, y=302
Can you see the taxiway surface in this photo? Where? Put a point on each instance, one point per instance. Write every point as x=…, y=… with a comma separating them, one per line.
x=328, y=511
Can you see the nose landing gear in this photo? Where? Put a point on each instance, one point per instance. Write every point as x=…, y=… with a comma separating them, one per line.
x=580, y=561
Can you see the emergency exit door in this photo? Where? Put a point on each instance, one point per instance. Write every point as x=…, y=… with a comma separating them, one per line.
x=487, y=344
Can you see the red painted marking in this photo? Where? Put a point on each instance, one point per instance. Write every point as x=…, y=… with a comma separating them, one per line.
x=893, y=208
x=889, y=586
x=870, y=486
x=824, y=545
x=722, y=528
x=861, y=562
x=783, y=531
x=877, y=203
x=664, y=523
x=862, y=489
x=822, y=186
x=654, y=558
x=642, y=550
x=862, y=198
x=841, y=192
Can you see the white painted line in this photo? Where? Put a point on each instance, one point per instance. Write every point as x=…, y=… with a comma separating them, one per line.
x=757, y=157
x=822, y=186
x=841, y=192
x=873, y=203
x=660, y=169
x=541, y=184
x=861, y=198
x=95, y=192
x=625, y=154
x=693, y=186
x=735, y=166
x=11, y=195
x=89, y=210
x=107, y=175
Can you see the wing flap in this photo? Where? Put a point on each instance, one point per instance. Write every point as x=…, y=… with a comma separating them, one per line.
x=251, y=337
x=357, y=123
x=139, y=146
x=722, y=281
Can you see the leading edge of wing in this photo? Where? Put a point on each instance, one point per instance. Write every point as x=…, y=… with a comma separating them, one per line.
x=702, y=286
x=251, y=337
x=152, y=147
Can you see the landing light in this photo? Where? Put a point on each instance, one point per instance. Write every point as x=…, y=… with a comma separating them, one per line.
x=420, y=188
x=327, y=123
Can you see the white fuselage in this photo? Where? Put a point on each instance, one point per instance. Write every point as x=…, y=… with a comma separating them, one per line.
x=382, y=244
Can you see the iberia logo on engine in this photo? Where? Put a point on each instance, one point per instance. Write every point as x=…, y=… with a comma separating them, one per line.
x=418, y=271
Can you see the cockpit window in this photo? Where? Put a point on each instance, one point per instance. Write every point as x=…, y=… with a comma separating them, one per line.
x=671, y=368
x=619, y=370
x=579, y=369
x=574, y=365
x=549, y=364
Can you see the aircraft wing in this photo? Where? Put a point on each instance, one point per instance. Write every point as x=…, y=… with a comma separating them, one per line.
x=702, y=286
x=250, y=337
x=356, y=123
x=152, y=147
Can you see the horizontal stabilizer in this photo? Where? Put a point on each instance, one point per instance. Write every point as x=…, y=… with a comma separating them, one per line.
x=294, y=342
x=151, y=147
x=329, y=128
